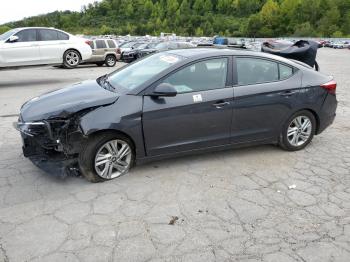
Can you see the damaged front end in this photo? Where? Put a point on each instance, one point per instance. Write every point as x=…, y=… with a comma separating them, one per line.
x=54, y=144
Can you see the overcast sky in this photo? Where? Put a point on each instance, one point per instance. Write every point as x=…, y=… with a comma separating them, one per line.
x=12, y=10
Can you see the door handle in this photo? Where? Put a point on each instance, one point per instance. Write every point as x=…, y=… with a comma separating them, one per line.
x=221, y=104
x=287, y=93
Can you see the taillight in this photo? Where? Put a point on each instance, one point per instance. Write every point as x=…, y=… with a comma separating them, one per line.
x=88, y=42
x=118, y=51
x=330, y=86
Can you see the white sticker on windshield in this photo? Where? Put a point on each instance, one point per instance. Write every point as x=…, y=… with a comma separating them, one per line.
x=169, y=59
x=197, y=98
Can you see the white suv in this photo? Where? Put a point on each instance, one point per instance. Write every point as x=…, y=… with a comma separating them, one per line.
x=41, y=46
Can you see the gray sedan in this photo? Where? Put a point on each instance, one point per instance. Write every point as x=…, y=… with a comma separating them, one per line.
x=175, y=103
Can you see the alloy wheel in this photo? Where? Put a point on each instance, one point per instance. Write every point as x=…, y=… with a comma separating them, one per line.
x=72, y=58
x=110, y=61
x=113, y=159
x=299, y=131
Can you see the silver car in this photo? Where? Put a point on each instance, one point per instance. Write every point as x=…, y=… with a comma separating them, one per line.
x=104, y=51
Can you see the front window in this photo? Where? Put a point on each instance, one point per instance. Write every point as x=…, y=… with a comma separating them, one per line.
x=138, y=73
x=6, y=35
x=201, y=76
x=27, y=35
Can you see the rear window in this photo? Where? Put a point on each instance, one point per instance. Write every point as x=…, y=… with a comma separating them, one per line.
x=52, y=35
x=100, y=44
x=254, y=71
x=48, y=35
x=111, y=44
x=62, y=36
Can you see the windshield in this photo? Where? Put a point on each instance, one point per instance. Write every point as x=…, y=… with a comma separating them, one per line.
x=138, y=73
x=6, y=35
x=162, y=46
x=152, y=45
x=127, y=44
x=142, y=46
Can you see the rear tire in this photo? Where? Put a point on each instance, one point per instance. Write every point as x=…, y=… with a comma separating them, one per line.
x=298, y=131
x=110, y=60
x=71, y=59
x=97, y=147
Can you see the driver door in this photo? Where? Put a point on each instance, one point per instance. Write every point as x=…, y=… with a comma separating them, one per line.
x=24, y=51
x=199, y=116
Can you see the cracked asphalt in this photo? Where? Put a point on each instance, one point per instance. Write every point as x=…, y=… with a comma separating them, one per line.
x=235, y=205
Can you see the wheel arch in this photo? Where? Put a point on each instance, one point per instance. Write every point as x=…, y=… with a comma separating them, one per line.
x=313, y=112
x=113, y=131
x=73, y=49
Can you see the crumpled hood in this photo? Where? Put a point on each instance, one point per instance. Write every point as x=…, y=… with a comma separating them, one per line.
x=64, y=102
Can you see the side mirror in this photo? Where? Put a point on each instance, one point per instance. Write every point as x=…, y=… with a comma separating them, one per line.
x=164, y=89
x=13, y=38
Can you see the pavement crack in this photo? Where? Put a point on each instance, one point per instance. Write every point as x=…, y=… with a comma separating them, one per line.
x=2, y=249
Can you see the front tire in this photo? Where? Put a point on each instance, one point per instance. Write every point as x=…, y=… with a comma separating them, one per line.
x=106, y=156
x=71, y=59
x=298, y=131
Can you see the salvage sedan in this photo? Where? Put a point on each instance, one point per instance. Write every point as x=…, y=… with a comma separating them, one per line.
x=175, y=103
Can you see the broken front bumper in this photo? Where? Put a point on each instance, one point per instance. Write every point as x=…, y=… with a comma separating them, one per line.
x=49, y=150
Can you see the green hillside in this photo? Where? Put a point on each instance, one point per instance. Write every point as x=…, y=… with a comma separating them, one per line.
x=253, y=18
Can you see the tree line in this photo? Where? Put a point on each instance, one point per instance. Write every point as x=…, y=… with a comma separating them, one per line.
x=234, y=18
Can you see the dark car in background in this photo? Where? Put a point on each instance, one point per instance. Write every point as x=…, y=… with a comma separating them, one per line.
x=136, y=53
x=175, y=103
x=127, y=46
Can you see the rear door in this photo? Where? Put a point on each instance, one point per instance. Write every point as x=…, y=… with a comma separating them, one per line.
x=198, y=116
x=100, y=50
x=265, y=93
x=25, y=51
x=52, y=44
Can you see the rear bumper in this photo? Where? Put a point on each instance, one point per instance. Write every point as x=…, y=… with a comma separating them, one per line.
x=328, y=113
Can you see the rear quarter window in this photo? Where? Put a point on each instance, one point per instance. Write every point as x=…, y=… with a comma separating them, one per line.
x=285, y=71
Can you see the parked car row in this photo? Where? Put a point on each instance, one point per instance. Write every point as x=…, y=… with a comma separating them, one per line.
x=33, y=46
x=141, y=50
x=336, y=44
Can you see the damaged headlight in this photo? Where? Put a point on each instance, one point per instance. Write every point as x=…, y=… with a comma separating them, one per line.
x=30, y=128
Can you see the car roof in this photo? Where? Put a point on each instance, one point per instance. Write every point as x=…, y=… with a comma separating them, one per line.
x=36, y=27
x=199, y=52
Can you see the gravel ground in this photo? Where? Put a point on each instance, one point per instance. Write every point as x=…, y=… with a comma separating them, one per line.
x=234, y=205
